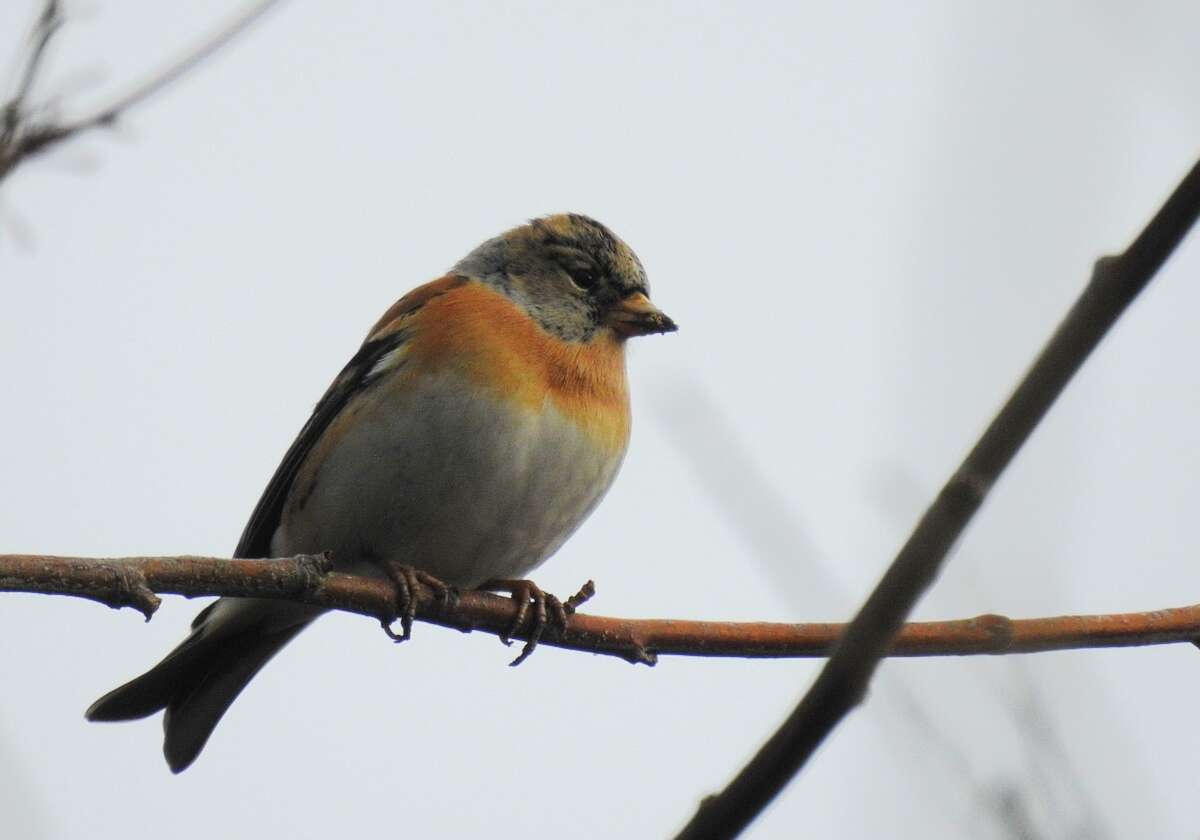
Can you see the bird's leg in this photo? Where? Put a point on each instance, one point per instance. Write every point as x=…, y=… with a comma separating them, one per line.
x=407, y=580
x=546, y=608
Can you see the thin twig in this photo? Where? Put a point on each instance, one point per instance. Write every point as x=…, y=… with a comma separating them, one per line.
x=47, y=24
x=219, y=39
x=12, y=115
x=843, y=682
x=133, y=582
x=23, y=137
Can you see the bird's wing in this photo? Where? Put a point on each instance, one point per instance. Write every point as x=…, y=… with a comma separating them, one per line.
x=387, y=335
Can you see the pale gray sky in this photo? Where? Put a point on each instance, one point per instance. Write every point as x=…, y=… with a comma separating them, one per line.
x=865, y=217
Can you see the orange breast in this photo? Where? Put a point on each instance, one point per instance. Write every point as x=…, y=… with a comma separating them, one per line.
x=488, y=339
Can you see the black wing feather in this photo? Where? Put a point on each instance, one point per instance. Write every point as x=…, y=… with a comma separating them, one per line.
x=256, y=538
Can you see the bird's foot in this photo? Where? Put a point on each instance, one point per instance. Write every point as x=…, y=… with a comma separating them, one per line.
x=547, y=609
x=408, y=580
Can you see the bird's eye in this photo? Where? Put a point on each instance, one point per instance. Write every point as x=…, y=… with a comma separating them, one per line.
x=584, y=278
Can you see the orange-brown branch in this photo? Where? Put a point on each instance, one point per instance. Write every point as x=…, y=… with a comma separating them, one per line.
x=133, y=582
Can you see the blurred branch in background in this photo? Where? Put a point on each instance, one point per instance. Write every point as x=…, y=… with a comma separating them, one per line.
x=307, y=579
x=1045, y=793
x=1050, y=767
x=842, y=684
x=26, y=131
x=775, y=534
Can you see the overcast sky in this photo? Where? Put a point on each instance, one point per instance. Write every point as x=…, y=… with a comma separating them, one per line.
x=865, y=217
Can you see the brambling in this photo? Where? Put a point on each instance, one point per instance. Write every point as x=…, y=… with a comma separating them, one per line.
x=481, y=421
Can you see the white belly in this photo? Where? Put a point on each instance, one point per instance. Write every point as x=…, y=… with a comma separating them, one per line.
x=454, y=483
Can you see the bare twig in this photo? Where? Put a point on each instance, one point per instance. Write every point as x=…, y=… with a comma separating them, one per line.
x=132, y=582
x=842, y=683
x=23, y=136
x=12, y=115
x=47, y=24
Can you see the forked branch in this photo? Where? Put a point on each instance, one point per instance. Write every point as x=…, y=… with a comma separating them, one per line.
x=26, y=133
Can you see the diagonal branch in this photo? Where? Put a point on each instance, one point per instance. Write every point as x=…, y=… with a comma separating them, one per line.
x=23, y=135
x=133, y=582
x=842, y=683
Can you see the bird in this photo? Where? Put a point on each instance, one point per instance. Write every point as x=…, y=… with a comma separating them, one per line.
x=481, y=421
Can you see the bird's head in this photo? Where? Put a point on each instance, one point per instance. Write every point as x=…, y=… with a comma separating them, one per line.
x=572, y=275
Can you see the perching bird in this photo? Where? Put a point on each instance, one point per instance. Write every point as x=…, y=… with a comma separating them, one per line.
x=481, y=421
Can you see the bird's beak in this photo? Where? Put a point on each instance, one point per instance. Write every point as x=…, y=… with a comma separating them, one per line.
x=636, y=315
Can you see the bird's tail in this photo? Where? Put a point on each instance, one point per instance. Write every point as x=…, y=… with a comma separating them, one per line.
x=195, y=684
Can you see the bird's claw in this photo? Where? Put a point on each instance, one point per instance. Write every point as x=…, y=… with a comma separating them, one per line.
x=547, y=609
x=408, y=580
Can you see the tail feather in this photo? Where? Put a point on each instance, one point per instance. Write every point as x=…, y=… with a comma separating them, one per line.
x=193, y=714
x=197, y=681
x=152, y=691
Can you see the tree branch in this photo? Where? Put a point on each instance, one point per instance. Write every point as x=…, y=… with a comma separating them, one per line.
x=23, y=135
x=133, y=582
x=842, y=683
x=44, y=28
